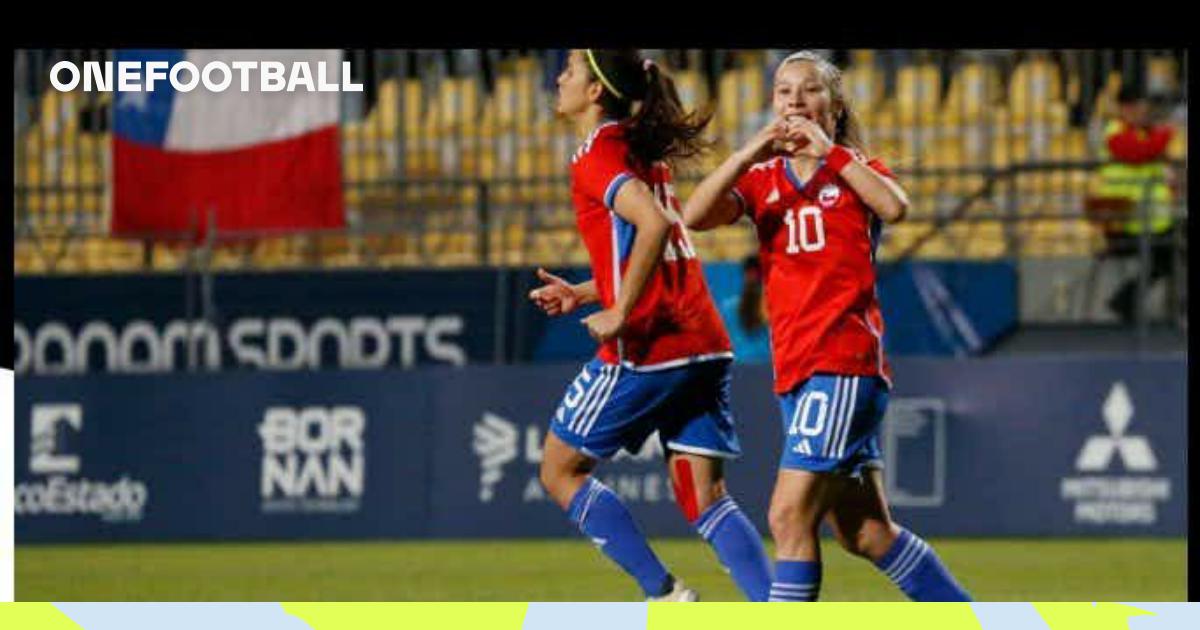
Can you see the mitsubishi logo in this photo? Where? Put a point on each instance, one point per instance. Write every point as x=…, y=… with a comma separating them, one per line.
x=1134, y=450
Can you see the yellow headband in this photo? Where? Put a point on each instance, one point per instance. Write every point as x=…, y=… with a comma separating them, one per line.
x=600, y=75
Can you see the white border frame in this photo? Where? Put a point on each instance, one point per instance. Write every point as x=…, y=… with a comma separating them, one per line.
x=896, y=496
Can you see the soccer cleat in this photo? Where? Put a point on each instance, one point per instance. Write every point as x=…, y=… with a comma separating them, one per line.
x=679, y=593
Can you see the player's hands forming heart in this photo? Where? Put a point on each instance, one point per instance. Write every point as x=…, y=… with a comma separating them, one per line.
x=767, y=143
x=808, y=138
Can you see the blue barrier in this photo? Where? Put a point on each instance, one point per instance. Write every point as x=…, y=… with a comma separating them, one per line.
x=366, y=320
x=265, y=321
x=990, y=447
x=944, y=308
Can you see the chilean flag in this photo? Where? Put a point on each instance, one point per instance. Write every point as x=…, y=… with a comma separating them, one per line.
x=254, y=160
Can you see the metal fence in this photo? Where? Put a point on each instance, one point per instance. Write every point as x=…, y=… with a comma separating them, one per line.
x=454, y=157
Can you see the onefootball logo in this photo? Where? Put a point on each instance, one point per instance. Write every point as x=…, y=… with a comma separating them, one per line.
x=215, y=76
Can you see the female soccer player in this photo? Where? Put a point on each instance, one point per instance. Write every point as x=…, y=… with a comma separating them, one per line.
x=817, y=205
x=664, y=354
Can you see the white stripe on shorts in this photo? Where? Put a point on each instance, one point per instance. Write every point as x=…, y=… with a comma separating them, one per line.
x=835, y=415
x=595, y=411
x=845, y=432
x=588, y=399
x=832, y=416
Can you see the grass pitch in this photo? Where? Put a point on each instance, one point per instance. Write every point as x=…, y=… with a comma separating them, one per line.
x=565, y=570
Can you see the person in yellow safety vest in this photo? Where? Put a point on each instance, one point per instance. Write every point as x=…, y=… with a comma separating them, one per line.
x=1135, y=152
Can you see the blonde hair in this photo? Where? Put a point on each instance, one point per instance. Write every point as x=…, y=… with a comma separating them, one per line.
x=847, y=130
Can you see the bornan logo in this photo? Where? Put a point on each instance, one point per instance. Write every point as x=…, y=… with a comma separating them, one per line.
x=58, y=492
x=1116, y=499
x=314, y=459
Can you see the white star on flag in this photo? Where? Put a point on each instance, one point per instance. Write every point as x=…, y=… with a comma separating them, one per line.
x=136, y=100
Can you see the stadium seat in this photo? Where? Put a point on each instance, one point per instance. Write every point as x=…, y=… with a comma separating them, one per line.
x=974, y=88
x=863, y=85
x=883, y=133
x=1161, y=72
x=1177, y=149
x=918, y=93
x=967, y=239
x=741, y=99
x=382, y=122
x=59, y=112
x=692, y=89
x=457, y=104
x=1033, y=86
x=1048, y=238
x=1105, y=105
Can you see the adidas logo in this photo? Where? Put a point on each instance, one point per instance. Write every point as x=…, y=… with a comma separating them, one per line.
x=803, y=448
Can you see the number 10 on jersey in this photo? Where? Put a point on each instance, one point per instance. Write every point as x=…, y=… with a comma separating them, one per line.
x=806, y=230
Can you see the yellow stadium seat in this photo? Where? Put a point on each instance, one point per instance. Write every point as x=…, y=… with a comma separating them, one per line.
x=59, y=112
x=918, y=93
x=973, y=90
x=1161, y=75
x=514, y=100
x=1177, y=149
x=457, y=104
x=1034, y=84
x=1105, y=106
x=741, y=98
x=1075, y=144
x=984, y=239
x=384, y=117
x=1047, y=238
x=863, y=85
x=27, y=258
x=692, y=89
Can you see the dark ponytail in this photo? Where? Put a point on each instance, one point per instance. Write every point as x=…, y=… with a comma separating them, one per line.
x=644, y=99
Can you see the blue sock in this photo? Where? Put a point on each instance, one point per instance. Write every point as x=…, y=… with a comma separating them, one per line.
x=912, y=565
x=602, y=517
x=739, y=547
x=796, y=581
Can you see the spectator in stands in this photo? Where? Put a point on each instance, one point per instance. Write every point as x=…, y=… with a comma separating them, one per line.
x=745, y=317
x=1137, y=175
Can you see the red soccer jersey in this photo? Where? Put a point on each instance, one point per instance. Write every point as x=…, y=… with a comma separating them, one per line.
x=817, y=249
x=674, y=321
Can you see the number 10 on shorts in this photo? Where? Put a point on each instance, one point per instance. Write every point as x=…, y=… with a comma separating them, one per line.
x=809, y=419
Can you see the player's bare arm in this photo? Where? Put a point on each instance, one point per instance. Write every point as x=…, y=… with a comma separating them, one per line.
x=636, y=204
x=712, y=203
x=559, y=297
x=880, y=193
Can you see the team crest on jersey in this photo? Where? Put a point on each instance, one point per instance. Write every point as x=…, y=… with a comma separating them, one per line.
x=829, y=195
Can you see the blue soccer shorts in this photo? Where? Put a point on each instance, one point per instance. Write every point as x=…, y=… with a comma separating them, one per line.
x=609, y=407
x=831, y=424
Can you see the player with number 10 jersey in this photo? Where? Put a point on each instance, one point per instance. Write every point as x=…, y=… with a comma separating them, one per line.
x=817, y=203
x=817, y=252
